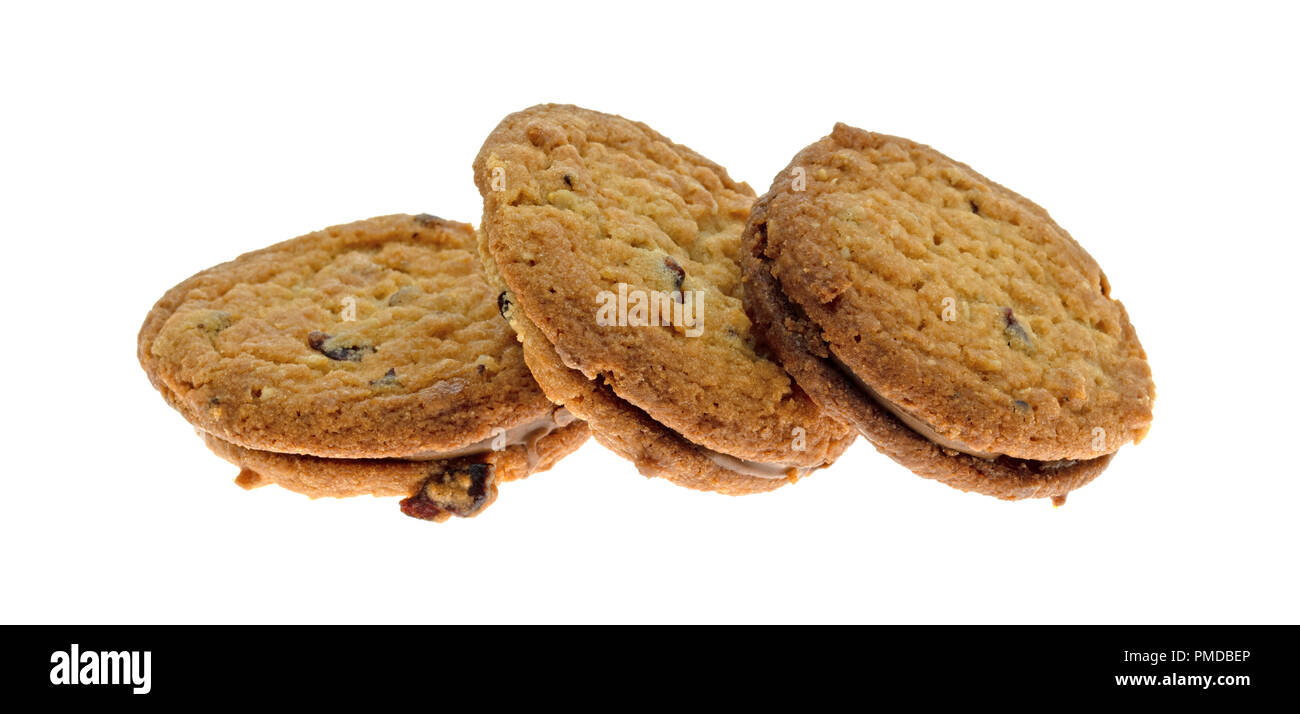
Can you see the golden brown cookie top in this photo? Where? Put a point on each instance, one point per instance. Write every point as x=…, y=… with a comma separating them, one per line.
x=379, y=338
x=956, y=299
x=587, y=215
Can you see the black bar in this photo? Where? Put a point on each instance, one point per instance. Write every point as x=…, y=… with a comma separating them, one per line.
x=721, y=665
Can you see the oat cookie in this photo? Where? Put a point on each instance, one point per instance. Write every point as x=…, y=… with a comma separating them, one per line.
x=587, y=215
x=378, y=342
x=951, y=320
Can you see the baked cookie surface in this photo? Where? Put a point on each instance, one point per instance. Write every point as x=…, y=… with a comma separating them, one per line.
x=957, y=303
x=581, y=208
x=375, y=339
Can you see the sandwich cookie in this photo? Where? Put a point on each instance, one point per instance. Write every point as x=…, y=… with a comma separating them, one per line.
x=952, y=321
x=615, y=252
x=363, y=358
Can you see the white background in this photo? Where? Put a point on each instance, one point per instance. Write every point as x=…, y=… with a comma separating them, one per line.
x=141, y=144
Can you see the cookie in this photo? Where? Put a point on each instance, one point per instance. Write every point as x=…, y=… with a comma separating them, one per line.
x=377, y=342
x=615, y=251
x=952, y=321
x=432, y=489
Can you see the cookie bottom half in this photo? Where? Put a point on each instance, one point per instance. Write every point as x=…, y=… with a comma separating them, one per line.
x=656, y=450
x=431, y=489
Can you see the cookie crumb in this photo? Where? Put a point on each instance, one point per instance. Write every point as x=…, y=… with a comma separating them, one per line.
x=249, y=479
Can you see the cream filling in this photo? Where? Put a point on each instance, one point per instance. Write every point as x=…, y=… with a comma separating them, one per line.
x=530, y=433
x=915, y=424
x=527, y=435
x=757, y=469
